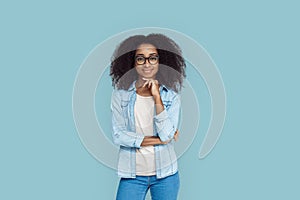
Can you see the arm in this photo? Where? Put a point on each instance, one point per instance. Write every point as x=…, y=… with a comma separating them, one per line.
x=159, y=106
x=154, y=140
x=166, y=121
x=120, y=135
x=151, y=140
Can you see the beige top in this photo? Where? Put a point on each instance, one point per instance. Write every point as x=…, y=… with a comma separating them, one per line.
x=143, y=114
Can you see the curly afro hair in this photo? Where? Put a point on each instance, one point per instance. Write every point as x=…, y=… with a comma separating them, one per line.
x=171, y=63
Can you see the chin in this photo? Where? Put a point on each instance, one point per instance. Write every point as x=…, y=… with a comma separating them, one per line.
x=148, y=76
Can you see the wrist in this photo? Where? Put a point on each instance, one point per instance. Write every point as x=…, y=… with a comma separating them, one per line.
x=157, y=98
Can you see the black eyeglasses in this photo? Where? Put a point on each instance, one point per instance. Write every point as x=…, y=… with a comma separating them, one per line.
x=140, y=60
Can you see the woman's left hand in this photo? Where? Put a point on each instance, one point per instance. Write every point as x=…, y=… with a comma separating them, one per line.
x=153, y=85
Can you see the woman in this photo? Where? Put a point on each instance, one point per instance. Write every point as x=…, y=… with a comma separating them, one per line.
x=147, y=74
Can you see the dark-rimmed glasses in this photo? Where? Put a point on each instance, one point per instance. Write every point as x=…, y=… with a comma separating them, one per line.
x=141, y=60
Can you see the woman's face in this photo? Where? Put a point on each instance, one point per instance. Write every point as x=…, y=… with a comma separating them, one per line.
x=146, y=61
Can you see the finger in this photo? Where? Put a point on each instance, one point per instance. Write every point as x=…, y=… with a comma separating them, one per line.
x=153, y=83
x=176, y=135
x=156, y=83
x=146, y=83
x=176, y=132
x=150, y=84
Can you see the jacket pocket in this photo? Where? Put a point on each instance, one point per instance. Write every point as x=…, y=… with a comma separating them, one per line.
x=167, y=104
x=124, y=104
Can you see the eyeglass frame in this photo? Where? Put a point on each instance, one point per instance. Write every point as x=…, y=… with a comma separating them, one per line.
x=146, y=58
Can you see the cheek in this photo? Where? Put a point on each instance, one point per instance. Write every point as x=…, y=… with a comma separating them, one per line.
x=156, y=68
x=138, y=70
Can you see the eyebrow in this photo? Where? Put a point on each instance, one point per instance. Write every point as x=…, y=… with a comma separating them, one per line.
x=140, y=54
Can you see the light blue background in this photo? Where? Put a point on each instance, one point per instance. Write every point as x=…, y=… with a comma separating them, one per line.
x=255, y=45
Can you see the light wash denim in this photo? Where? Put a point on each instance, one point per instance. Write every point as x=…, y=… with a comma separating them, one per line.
x=124, y=134
x=160, y=189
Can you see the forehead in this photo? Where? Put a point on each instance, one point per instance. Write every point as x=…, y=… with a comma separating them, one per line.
x=146, y=49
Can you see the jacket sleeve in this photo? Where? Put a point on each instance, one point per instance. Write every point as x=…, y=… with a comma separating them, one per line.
x=166, y=122
x=121, y=136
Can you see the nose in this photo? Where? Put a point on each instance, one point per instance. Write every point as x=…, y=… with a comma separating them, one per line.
x=147, y=63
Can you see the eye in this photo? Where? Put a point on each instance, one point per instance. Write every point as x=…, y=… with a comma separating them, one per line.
x=153, y=58
x=140, y=59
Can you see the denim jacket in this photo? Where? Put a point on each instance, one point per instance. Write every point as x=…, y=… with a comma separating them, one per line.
x=124, y=134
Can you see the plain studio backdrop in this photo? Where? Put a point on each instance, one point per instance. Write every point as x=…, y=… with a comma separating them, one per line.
x=254, y=44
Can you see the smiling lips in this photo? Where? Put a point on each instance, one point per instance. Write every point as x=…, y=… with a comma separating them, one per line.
x=147, y=70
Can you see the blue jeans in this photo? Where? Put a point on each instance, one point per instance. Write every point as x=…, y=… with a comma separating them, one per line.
x=160, y=189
